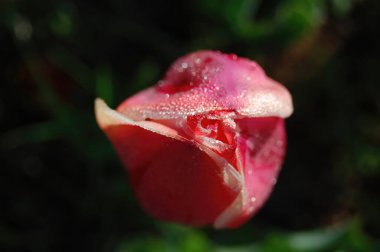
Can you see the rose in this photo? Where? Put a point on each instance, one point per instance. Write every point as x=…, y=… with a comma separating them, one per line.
x=205, y=145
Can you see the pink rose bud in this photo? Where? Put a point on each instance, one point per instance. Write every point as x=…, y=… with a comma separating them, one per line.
x=205, y=144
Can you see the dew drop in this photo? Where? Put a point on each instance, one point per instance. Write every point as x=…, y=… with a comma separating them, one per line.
x=250, y=143
x=184, y=65
x=274, y=181
x=232, y=56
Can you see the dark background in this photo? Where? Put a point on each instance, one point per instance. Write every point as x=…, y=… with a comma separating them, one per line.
x=62, y=187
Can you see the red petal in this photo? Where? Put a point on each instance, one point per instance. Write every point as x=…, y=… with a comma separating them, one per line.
x=173, y=178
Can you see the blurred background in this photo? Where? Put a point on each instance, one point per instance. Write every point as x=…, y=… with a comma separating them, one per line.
x=62, y=187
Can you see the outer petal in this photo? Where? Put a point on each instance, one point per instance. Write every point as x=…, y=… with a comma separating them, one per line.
x=260, y=153
x=208, y=81
x=174, y=179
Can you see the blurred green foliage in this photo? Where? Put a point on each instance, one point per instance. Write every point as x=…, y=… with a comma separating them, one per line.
x=61, y=185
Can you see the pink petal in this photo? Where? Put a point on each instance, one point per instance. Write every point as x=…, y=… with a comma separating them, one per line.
x=260, y=152
x=208, y=81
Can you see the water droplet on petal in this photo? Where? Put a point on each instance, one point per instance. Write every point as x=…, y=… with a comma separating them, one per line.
x=232, y=56
x=184, y=65
x=274, y=181
x=250, y=144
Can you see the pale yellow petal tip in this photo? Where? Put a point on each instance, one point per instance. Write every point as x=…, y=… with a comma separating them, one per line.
x=290, y=107
x=283, y=101
x=101, y=112
x=106, y=117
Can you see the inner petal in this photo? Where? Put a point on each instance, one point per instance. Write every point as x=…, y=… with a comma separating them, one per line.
x=215, y=132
